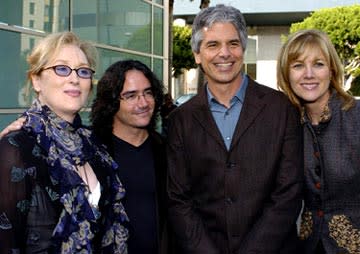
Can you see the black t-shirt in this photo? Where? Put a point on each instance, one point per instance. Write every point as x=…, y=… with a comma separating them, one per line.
x=137, y=174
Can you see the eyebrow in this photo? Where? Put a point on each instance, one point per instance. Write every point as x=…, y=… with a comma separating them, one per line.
x=136, y=91
x=65, y=62
x=217, y=41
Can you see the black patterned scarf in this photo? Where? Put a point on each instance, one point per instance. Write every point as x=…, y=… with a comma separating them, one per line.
x=65, y=146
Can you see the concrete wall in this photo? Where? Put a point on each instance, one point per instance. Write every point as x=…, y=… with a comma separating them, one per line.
x=269, y=44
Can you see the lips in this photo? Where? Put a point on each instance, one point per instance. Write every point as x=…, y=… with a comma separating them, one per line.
x=143, y=112
x=310, y=86
x=73, y=93
x=224, y=66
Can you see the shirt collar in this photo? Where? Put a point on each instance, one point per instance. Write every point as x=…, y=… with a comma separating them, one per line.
x=239, y=95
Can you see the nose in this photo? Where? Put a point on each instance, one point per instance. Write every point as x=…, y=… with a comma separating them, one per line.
x=142, y=101
x=74, y=78
x=309, y=72
x=224, y=51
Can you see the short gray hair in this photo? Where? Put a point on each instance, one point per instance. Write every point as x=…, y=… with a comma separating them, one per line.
x=218, y=14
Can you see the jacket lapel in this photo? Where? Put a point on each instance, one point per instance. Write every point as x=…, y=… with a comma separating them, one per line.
x=204, y=117
x=252, y=107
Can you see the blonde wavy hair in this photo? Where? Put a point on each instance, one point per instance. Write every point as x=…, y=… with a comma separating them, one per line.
x=295, y=46
x=49, y=47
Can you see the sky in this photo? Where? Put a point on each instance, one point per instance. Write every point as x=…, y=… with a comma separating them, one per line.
x=183, y=7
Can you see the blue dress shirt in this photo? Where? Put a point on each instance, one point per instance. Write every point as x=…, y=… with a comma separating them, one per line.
x=227, y=118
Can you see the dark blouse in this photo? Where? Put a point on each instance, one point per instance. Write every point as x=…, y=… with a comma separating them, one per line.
x=331, y=217
x=138, y=177
x=43, y=201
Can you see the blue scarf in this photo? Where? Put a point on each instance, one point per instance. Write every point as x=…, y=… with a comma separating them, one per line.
x=65, y=146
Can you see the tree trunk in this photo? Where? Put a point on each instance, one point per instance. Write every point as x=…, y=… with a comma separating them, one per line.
x=170, y=46
x=203, y=4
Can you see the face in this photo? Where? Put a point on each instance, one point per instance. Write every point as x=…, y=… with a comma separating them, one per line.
x=221, y=55
x=64, y=95
x=310, y=76
x=135, y=114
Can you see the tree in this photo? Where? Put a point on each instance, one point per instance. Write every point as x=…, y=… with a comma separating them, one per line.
x=342, y=24
x=203, y=4
x=182, y=54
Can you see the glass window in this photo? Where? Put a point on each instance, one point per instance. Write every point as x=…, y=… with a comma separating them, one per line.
x=13, y=72
x=122, y=25
x=32, y=8
x=158, y=31
x=6, y=119
x=51, y=17
x=114, y=23
x=158, y=68
x=108, y=57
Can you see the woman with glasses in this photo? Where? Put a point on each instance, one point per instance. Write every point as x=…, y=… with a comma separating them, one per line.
x=311, y=74
x=59, y=189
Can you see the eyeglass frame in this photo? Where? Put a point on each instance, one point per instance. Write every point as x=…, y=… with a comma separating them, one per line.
x=148, y=94
x=72, y=69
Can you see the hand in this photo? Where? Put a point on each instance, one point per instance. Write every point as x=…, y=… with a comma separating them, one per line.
x=14, y=126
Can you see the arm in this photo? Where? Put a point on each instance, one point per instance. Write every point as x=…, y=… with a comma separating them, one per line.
x=190, y=233
x=277, y=223
x=12, y=193
x=14, y=126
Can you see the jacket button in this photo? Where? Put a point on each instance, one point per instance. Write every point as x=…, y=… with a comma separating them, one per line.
x=230, y=165
x=229, y=201
x=317, y=154
x=320, y=213
x=318, y=185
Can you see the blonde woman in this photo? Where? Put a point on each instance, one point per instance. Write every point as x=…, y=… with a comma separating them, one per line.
x=310, y=73
x=59, y=192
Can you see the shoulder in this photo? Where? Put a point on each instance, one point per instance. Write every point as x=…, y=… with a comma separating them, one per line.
x=265, y=92
x=352, y=115
x=18, y=147
x=258, y=95
x=17, y=139
x=156, y=138
x=196, y=103
x=357, y=106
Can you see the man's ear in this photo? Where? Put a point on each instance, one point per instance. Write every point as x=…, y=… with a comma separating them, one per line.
x=197, y=57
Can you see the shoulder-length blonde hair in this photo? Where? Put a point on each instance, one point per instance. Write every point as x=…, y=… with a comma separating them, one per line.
x=49, y=47
x=296, y=45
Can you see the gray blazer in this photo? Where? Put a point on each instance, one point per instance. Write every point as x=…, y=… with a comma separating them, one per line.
x=247, y=199
x=332, y=177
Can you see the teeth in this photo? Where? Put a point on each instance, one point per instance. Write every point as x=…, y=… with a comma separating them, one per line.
x=224, y=64
x=310, y=86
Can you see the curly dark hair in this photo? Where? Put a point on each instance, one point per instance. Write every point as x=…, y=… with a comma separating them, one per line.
x=107, y=102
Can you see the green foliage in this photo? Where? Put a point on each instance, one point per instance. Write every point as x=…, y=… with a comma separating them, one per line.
x=342, y=24
x=355, y=87
x=182, y=54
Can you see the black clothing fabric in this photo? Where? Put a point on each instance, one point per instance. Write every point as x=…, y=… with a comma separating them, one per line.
x=43, y=200
x=165, y=111
x=138, y=174
x=143, y=174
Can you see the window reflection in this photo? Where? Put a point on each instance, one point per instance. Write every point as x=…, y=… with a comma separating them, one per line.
x=122, y=30
x=40, y=15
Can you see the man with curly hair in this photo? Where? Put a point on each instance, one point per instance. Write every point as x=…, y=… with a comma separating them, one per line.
x=123, y=117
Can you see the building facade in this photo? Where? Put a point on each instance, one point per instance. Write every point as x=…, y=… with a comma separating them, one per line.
x=120, y=29
x=267, y=22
